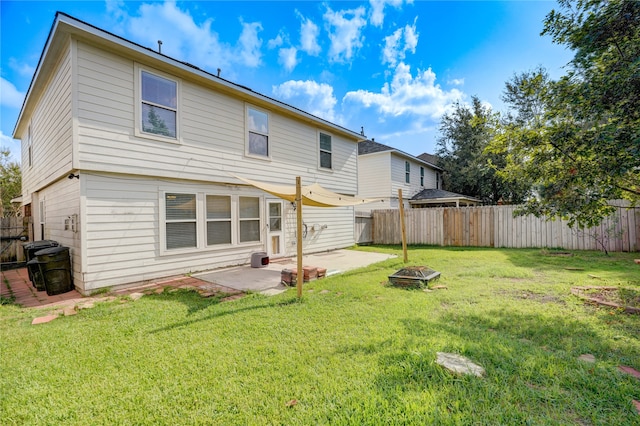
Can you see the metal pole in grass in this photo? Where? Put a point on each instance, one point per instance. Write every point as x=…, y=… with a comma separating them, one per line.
x=299, y=234
x=403, y=227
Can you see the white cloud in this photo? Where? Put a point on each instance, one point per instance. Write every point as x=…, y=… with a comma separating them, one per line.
x=456, y=82
x=408, y=95
x=250, y=44
x=309, y=32
x=183, y=38
x=315, y=98
x=377, y=10
x=10, y=96
x=397, y=44
x=23, y=69
x=275, y=42
x=287, y=57
x=345, y=32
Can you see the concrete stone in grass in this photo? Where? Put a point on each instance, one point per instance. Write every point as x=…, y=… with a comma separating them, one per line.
x=42, y=320
x=459, y=364
x=135, y=296
x=587, y=358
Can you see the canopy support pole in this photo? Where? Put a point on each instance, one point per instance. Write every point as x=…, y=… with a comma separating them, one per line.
x=299, y=235
x=402, y=226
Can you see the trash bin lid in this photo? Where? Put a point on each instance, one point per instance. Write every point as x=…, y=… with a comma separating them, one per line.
x=51, y=251
x=34, y=262
x=40, y=244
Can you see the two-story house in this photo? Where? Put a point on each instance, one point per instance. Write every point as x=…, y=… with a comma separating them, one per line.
x=382, y=170
x=131, y=159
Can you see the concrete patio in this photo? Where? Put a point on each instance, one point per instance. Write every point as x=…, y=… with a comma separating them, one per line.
x=14, y=283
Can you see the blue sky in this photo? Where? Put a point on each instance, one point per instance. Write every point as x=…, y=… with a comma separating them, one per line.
x=393, y=67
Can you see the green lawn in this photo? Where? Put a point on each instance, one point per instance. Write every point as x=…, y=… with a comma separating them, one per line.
x=354, y=351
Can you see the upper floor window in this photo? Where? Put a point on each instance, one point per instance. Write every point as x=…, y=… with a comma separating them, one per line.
x=437, y=180
x=159, y=105
x=258, y=132
x=29, y=150
x=325, y=151
x=407, y=172
x=421, y=176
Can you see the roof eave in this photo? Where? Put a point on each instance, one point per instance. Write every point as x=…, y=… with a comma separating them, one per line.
x=67, y=25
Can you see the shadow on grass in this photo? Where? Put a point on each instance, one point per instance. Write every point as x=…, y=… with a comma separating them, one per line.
x=195, y=305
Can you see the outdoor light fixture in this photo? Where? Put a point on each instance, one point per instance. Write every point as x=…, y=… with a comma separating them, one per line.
x=71, y=176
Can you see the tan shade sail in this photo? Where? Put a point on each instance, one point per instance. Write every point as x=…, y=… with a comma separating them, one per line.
x=312, y=195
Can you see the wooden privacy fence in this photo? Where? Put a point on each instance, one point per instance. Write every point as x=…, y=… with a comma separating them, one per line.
x=11, y=229
x=495, y=226
x=363, y=228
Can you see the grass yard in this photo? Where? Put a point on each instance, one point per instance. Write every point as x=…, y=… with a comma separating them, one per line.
x=353, y=352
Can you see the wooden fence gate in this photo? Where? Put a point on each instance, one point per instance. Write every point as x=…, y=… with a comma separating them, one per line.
x=13, y=232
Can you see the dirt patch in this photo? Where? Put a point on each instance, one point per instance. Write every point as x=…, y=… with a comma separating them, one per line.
x=529, y=295
x=624, y=298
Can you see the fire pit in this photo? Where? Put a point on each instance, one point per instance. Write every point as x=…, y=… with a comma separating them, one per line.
x=413, y=277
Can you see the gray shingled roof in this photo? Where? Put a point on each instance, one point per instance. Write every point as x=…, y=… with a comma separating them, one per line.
x=429, y=158
x=369, y=147
x=431, y=194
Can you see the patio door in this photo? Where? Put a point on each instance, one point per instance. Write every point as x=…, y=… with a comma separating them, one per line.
x=275, y=225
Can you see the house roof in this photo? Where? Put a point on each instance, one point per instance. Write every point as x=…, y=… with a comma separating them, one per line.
x=372, y=147
x=429, y=158
x=65, y=26
x=441, y=194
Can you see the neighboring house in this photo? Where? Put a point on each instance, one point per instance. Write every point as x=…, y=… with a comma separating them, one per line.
x=433, y=197
x=129, y=158
x=382, y=170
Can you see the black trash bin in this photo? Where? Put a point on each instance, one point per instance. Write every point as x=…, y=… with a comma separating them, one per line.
x=30, y=250
x=55, y=265
x=33, y=267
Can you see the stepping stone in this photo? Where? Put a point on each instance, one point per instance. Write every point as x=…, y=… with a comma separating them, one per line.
x=324, y=292
x=587, y=358
x=135, y=296
x=42, y=320
x=459, y=364
x=69, y=311
x=637, y=405
x=629, y=370
x=272, y=291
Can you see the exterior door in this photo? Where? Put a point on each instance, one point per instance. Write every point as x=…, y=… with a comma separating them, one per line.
x=275, y=228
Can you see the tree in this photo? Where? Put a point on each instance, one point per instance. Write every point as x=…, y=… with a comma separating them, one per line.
x=10, y=182
x=580, y=145
x=468, y=168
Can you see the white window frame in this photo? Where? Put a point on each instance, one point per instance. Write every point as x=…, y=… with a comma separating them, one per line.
x=164, y=221
x=421, y=176
x=320, y=151
x=29, y=147
x=407, y=172
x=260, y=220
x=201, y=221
x=230, y=220
x=139, y=101
x=249, y=130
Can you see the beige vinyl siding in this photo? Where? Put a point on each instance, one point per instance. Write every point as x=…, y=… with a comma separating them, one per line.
x=62, y=203
x=374, y=175
x=212, y=134
x=51, y=132
x=122, y=230
x=398, y=177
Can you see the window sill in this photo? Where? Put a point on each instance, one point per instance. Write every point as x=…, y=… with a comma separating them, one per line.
x=159, y=138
